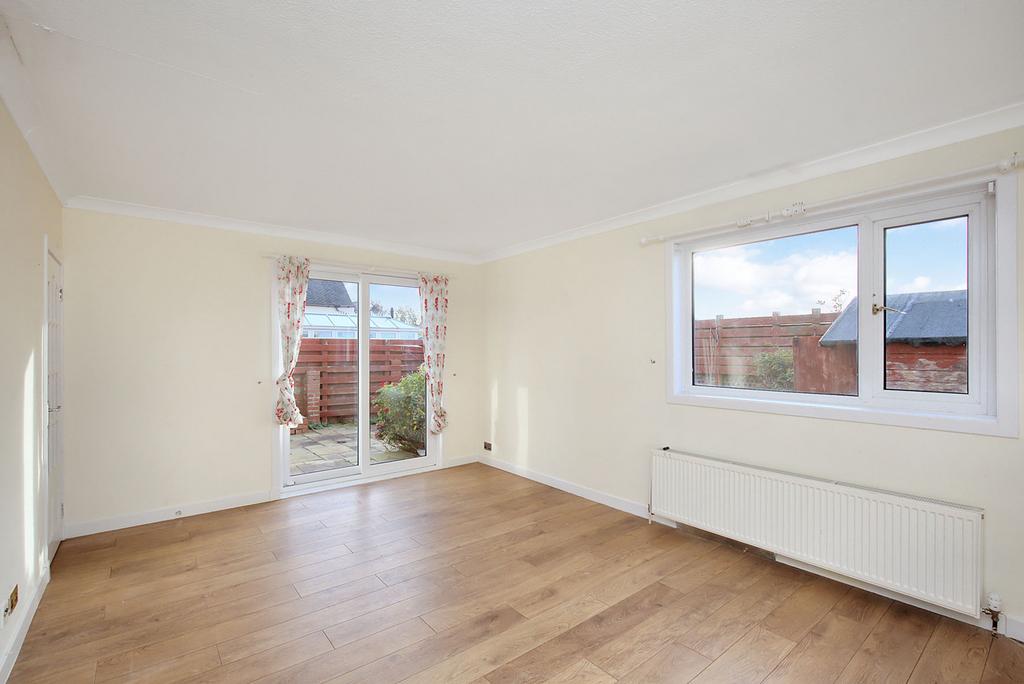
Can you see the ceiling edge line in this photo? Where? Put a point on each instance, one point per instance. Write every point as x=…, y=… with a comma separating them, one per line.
x=994, y=121
x=108, y=206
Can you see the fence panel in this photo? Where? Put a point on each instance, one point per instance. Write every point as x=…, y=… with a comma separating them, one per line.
x=327, y=375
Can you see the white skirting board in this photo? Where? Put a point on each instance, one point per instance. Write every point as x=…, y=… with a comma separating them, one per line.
x=19, y=624
x=625, y=505
x=1010, y=625
x=80, y=529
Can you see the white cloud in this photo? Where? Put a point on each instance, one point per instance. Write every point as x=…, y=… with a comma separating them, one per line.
x=734, y=282
x=919, y=283
x=923, y=284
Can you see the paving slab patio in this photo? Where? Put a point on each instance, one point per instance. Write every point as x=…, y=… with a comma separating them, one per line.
x=336, y=446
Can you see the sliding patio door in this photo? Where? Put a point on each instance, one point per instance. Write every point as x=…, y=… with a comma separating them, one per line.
x=359, y=381
x=396, y=394
x=327, y=444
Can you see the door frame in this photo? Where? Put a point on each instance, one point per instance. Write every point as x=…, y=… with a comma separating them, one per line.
x=365, y=471
x=51, y=485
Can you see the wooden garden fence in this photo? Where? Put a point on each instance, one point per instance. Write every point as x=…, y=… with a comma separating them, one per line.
x=327, y=375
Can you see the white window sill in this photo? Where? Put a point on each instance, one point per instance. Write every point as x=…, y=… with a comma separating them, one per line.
x=976, y=425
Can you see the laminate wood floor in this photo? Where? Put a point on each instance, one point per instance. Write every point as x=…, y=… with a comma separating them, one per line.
x=468, y=575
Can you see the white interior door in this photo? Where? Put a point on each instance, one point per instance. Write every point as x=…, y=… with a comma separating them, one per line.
x=55, y=401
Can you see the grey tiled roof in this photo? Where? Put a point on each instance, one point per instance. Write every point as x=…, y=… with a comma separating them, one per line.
x=933, y=317
x=327, y=293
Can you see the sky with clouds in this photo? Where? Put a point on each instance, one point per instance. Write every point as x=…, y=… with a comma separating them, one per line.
x=792, y=275
x=388, y=295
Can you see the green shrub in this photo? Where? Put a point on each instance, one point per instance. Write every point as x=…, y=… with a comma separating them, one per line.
x=774, y=370
x=402, y=412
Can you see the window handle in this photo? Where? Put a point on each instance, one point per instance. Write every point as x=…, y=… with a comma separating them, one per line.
x=876, y=309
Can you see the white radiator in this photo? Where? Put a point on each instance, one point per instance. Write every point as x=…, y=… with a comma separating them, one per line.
x=925, y=549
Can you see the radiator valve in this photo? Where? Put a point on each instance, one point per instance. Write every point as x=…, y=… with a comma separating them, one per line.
x=994, y=610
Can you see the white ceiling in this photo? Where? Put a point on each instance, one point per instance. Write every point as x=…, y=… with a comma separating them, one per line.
x=476, y=126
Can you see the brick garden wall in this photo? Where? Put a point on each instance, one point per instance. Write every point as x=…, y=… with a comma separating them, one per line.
x=327, y=375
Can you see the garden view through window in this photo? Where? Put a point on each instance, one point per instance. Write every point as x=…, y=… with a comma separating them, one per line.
x=398, y=387
x=892, y=308
x=760, y=311
x=926, y=300
x=782, y=314
x=327, y=388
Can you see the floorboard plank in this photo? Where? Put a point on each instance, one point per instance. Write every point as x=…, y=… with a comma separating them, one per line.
x=356, y=654
x=423, y=654
x=748, y=660
x=168, y=671
x=712, y=637
x=673, y=664
x=1005, y=663
x=891, y=651
x=823, y=653
x=956, y=653
x=558, y=653
x=582, y=672
x=472, y=664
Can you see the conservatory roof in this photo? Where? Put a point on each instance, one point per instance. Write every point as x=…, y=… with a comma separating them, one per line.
x=344, y=320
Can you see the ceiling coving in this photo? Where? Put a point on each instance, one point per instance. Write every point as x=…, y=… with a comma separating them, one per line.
x=472, y=129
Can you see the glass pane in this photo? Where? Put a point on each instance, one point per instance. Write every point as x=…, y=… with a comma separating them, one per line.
x=327, y=383
x=316, y=319
x=926, y=296
x=778, y=315
x=398, y=416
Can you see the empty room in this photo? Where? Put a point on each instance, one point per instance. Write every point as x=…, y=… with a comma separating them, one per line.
x=503, y=342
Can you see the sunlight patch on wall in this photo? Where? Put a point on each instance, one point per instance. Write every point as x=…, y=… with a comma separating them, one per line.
x=29, y=469
x=494, y=412
x=523, y=426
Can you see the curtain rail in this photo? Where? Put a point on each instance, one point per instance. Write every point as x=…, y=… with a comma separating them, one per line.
x=356, y=268
x=795, y=209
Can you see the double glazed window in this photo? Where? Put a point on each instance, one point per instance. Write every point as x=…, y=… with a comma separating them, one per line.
x=883, y=313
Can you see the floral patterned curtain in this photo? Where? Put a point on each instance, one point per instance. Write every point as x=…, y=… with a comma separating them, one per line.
x=292, y=280
x=434, y=293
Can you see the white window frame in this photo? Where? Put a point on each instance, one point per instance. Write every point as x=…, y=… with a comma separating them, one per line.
x=991, y=405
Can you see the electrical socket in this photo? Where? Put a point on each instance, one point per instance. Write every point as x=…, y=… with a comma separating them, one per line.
x=487, y=446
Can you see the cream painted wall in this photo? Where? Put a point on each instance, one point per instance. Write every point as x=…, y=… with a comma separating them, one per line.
x=571, y=331
x=29, y=210
x=169, y=389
